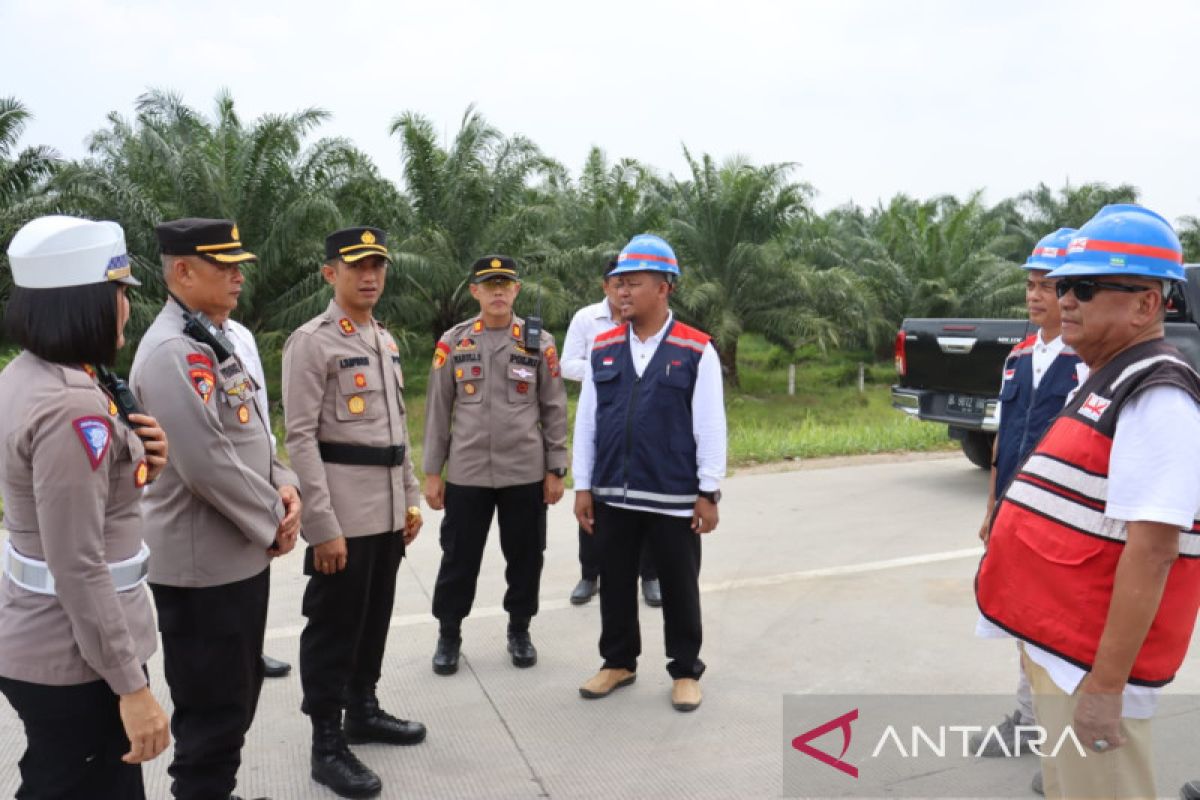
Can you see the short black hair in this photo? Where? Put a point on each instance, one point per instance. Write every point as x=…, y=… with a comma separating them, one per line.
x=65, y=325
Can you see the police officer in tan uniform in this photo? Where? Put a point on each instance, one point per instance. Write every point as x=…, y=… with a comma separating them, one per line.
x=76, y=627
x=496, y=420
x=347, y=435
x=222, y=509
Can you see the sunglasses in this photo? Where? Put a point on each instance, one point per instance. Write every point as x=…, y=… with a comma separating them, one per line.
x=1085, y=288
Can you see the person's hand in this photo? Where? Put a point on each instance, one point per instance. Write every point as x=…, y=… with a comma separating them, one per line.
x=330, y=557
x=146, y=726
x=552, y=489
x=435, y=492
x=154, y=439
x=584, y=511
x=412, y=525
x=289, y=527
x=1098, y=716
x=704, y=516
x=985, y=531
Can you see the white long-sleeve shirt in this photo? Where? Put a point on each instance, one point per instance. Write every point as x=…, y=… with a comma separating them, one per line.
x=708, y=419
x=588, y=323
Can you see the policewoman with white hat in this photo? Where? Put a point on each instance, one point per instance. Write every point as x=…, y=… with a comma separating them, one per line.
x=76, y=628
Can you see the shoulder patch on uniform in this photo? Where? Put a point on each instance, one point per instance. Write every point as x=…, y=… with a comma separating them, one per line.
x=439, y=355
x=551, y=356
x=96, y=437
x=203, y=382
x=199, y=360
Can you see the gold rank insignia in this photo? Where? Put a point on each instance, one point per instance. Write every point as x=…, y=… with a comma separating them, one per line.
x=234, y=235
x=495, y=263
x=140, y=475
x=112, y=408
x=243, y=414
x=469, y=388
x=458, y=373
x=356, y=405
x=478, y=326
x=516, y=331
x=360, y=380
x=368, y=237
x=347, y=326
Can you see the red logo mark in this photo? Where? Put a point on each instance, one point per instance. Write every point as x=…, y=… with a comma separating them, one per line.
x=801, y=743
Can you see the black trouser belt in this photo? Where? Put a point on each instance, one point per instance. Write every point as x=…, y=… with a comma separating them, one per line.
x=361, y=454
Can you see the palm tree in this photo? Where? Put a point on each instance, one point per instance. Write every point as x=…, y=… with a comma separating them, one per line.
x=467, y=200
x=725, y=223
x=172, y=161
x=23, y=177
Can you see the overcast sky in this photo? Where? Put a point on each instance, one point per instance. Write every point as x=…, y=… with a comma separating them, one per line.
x=868, y=98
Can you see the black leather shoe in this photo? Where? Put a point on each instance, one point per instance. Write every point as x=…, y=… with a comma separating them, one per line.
x=445, y=658
x=367, y=722
x=274, y=668
x=524, y=654
x=333, y=764
x=584, y=591
x=653, y=593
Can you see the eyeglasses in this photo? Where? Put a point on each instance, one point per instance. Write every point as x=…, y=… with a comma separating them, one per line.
x=1085, y=288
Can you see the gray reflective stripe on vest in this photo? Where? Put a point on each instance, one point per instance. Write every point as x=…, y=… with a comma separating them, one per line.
x=1145, y=363
x=636, y=494
x=34, y=576
x=1077, y=515
x=1071, y=477
x=688, y=343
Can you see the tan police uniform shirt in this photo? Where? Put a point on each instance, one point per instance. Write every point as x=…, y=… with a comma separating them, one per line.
x=342, y=384
x=496, y=412
x=214, y=510
x=71, y=473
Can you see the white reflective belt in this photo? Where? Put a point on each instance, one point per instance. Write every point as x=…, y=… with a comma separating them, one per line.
x=34, y=576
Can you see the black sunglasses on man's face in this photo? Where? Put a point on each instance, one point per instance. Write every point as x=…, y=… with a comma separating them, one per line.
x=1085, y=288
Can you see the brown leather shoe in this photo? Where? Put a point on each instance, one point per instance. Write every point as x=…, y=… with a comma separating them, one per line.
x=685, y=694
x=605, y=682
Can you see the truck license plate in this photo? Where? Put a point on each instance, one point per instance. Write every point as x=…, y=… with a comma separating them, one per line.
x=966, y=404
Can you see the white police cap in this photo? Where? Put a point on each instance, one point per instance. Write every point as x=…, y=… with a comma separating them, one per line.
x=57, y=251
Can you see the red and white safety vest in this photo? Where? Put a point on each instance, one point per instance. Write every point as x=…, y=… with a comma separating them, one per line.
x=1047, y=576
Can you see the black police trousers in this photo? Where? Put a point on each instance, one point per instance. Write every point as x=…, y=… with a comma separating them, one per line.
x=675, y=548
x=74, y=743
x=349, y=612
x=468, y=515
x=212, y=640
x=589, y=558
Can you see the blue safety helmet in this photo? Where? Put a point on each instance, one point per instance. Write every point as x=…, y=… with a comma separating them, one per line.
x=1124, y=240
x=647, y=253
x=1051, y=250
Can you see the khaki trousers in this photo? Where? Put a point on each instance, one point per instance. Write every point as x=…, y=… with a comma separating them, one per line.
x=1126, y=772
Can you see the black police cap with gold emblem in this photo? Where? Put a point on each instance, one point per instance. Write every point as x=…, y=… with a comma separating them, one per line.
x=214, y=239
x=490, y=267
x=351, y=244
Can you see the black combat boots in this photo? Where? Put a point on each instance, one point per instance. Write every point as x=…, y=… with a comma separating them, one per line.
x=367, y=722
x=333, y=764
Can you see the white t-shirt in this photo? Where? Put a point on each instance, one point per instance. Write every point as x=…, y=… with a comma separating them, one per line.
x=588, y=323
x=1153, y=476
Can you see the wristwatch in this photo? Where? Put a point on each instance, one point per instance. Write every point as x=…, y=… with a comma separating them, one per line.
x=558, y=472
x=712, y=497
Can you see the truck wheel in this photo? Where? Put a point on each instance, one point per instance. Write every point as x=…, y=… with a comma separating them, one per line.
x=977, y=447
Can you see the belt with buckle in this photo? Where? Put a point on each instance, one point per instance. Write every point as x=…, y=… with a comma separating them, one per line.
x=361, y=454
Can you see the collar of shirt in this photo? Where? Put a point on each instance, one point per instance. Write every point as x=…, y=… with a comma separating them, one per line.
x=656, y=338
x=603, y=310
x=1054, y=346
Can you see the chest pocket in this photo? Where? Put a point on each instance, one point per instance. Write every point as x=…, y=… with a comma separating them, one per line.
x=399, y=373
x=676, y=377
x=607, y=385
x=236, y=396
x=1009, y=390
x=522, y=383
x=468, y=384
x=360, y=393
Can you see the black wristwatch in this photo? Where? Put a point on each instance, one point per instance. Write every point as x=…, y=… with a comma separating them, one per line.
x=558, y=472
x=712, y=497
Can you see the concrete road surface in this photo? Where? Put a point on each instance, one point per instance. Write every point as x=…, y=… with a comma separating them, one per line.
x=847, y=576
